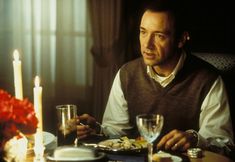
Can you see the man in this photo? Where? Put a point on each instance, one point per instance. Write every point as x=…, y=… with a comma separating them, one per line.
x=187, y=91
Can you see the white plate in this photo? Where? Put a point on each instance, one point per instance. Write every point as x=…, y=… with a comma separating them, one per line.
x=48, y=138
x=49, y=141
x=116, y=146
x=176, y=158
x=173, y=157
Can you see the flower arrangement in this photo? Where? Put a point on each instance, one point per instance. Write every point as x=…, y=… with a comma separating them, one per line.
x=16, y=117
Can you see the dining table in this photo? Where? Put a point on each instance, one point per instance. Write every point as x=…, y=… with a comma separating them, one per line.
x=207, y=156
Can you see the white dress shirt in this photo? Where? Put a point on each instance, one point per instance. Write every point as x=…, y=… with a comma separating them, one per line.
x=215, y=121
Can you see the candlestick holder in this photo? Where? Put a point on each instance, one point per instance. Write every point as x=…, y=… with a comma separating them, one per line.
x=38, y=146
x=39, y=153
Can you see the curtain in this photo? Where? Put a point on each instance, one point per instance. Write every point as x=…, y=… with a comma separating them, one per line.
x=107, y=48
x=54, y=41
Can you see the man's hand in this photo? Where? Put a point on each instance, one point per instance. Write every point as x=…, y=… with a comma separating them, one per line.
x=177, y=140
x=85, y=126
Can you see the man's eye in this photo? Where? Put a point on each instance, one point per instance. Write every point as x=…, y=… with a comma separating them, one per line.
x=142, y=32
x=159, y=36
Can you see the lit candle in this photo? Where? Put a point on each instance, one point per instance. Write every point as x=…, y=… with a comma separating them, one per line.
x=38, y=137
x=37, y=91
x=17, y=75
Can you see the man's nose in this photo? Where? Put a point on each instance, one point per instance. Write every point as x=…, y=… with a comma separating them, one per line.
x=149, y=42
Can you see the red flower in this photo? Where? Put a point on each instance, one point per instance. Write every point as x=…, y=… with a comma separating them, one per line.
x=15, y=116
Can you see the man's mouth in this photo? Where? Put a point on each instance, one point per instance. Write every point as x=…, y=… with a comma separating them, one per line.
x=149, y=55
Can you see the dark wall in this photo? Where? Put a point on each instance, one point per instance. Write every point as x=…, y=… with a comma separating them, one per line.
x=211, y=26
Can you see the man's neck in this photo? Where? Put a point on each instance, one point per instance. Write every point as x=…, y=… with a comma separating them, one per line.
x=167, y=68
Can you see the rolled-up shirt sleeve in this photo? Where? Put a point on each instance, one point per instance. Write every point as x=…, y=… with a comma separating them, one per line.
x=215, y=120
x=116, y=118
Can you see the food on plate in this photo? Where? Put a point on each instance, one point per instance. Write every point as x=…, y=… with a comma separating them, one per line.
x=124, y=143
x=162, y=157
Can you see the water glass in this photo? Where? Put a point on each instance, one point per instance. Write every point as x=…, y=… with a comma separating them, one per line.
x=66, y=124
x=150, y=126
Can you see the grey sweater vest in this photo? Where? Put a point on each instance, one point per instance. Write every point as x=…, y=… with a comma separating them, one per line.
x=179, y=102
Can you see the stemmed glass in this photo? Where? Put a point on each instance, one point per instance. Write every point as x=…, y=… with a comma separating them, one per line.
x=150, y=126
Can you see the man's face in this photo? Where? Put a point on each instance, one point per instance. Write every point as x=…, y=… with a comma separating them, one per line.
x=156, y=36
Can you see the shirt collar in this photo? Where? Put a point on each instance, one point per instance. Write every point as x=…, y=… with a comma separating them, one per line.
x=164, y=81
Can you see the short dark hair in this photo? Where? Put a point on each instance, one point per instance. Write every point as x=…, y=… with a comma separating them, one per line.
x=178, y=10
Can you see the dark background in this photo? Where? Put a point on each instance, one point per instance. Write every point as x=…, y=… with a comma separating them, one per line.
x=211, y=26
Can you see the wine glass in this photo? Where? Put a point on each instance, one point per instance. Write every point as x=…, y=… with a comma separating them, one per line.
x=150, y=126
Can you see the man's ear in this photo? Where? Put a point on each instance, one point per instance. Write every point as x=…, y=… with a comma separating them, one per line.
x=185, y=37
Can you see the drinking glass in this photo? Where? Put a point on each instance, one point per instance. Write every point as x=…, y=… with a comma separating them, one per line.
x=66, y=124
x=150, y=126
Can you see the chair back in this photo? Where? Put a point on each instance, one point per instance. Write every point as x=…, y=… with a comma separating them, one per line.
x=225, y=63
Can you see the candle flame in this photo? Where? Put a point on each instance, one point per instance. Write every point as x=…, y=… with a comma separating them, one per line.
x=16, y=55
x=37, y=81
